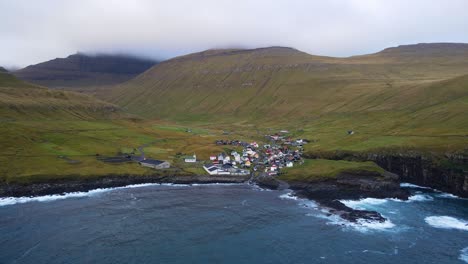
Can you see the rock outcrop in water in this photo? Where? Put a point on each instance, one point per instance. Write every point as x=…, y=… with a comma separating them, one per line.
x=346, y=186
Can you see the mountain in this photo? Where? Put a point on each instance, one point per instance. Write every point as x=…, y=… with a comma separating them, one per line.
x=283, y=83
x=20, y=100
x=81, y=70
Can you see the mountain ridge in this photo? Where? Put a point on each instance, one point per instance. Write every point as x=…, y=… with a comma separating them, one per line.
x=285, y=86
x=82, y=70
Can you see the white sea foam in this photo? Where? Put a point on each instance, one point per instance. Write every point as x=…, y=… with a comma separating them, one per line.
x=447, y=222
x=258, y=188
x=288, y=196
x=302, y=202
x=372, y=202
x=363, y=203
x=362, y=225
x=449, y=196
x=420, y=198
x=48, y=198
x=464, y=255
x=410, y=185
x=210, y=184
x=439, y=195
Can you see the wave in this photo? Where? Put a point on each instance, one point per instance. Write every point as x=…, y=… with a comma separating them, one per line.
x=367, y=203
x=410, y=185
x=446, y=222
x=256, y=187
x=420, y=198
x=363, y=203
x=53, y=197
x=440, y=194
x=362, y=225
x=302, y=202
x=448, y=195
x=464, y=255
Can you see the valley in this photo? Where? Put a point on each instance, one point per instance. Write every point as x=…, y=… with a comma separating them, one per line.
x=409, y=100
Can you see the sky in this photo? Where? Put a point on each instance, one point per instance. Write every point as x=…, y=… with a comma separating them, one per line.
x=37, y=31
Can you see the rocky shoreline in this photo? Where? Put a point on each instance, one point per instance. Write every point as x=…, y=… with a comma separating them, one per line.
x=327, y=193
x=346, y=186
x=67, y=186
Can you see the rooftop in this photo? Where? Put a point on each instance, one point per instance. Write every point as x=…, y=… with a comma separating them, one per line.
x=152, y=162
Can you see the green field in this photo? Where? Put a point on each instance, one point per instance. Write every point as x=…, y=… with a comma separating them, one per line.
x=320, y=169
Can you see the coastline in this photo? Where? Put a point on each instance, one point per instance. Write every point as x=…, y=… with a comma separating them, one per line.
x=326, y=193
x=111, y=181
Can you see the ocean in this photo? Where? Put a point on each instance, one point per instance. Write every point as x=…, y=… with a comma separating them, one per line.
x=223, y=223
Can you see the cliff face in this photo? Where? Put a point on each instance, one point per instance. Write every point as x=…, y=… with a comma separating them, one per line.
x=448, y=173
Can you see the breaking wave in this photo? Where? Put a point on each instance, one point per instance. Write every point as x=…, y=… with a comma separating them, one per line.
x=447, y=222
x=302, y=202
x=420, y=198
x=464, y=255
x=363, y=203
x=410, y=185
x=362, y=225
x=53, y=197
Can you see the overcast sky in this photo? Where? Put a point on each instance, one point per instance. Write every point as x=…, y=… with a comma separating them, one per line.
x=35, y=31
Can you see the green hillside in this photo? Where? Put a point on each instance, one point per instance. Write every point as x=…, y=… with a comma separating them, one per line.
x=408, y=91
x=49, y=134
x=55, y=133
x=25, y=101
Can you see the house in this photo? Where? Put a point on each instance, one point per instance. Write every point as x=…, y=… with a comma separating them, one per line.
x=274, y=167
x=215, y=170
x=226, y=169
x=212, y=158
x=237, y=157
x=289, y=164
x=155, y=164
x=350, y=132
x=190, y=159
x=221, y=157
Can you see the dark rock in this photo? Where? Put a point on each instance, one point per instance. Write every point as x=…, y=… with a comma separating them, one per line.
x=446, y=172
x=351, y=186
x=65, y=186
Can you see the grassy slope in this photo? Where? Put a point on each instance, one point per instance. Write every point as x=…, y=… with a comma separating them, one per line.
x=412, y=96
x=50, y=134
x=321, y=169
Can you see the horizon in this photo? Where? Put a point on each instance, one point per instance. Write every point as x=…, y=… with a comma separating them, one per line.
x=141, y=57
x=39, y=31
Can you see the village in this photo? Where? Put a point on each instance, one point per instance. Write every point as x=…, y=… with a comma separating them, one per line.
x=242, y=158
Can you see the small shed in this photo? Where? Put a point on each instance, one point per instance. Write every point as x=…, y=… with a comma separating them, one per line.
x=155, y=164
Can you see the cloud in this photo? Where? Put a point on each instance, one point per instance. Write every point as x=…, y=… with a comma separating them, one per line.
x=35, y=31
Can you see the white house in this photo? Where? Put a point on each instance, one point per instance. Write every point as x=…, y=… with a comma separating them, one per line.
x=289, y=164
x=274, y=167
x=190, y=159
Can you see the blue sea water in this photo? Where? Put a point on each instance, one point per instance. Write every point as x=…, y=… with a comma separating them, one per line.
x=227, y=224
